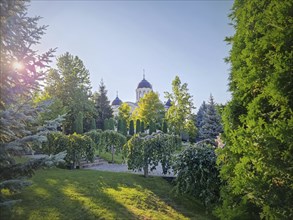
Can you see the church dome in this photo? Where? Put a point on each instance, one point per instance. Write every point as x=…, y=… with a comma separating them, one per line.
x=168, y=103
x=144, y=84
x=117, y=101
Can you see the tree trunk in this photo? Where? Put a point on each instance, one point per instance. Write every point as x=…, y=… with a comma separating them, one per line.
x=112, y=151
x=146, y=170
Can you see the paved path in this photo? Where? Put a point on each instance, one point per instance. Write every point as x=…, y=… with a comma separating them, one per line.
x=105, y=166
x=124, y=168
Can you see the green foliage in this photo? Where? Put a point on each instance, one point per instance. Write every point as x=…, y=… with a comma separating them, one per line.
x=152, y=127
x=151, y=150
x=210, y=125
x=181, y=109
x=131, y=128
x=77, y=146
x=95, y=135
x=165, y=127
x=142, y=127
x=256, y=162
x=102, y=106
x=137, y=126
x=197, y=174
x=150, y=109
x=78, y=123
x=92, y=124
x=112, y=141
x=124, y=113
x=70, y=84
x=19, y=125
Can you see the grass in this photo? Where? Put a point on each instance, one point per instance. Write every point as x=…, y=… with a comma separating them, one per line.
x=88, y=194
x=108, y=157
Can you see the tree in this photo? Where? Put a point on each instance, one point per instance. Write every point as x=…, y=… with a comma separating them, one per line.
x=144, y=152
x=71, y=85
x=112, y=141
x=131, y=128
x=165, y=127
x=149, y=109
x=78, y=123
x=137, y=126
x=142, y=127
x=210, y=125
x=102, y=105
x=22, y=70
x=181, y=109
x=198, y=174
x=124, y=113
x=152, y=127
x=257, y=160
x=200, y=114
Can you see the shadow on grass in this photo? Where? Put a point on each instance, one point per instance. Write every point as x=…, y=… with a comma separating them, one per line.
x=86, y=194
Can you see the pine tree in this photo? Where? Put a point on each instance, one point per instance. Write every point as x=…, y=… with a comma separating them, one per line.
x=22, y=70
x=102, y=105
x=257, y=160
x=210, y=126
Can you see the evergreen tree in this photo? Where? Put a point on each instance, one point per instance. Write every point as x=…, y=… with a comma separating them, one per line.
x=210, y=125
x=78, y=123
x=142, y=127
x=257, y=160
x=111, y=124
x=106, y=124
x=102, y=105
x=138, y=126
x=131, y=128
x=200, y=114
x=152, y=127
x=165, y=127
x=19, y=127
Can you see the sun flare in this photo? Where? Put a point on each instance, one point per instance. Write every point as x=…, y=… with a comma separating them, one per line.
x=18, y=65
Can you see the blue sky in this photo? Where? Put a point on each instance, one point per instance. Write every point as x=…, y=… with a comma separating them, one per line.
x=116, y=40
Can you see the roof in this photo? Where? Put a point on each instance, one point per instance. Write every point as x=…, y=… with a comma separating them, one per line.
x=144, y=84
x=117, y=101
x=168, y=103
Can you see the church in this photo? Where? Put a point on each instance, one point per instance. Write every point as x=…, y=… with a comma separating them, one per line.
x=143, y=88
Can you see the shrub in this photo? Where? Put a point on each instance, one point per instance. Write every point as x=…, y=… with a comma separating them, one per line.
x=198, y=174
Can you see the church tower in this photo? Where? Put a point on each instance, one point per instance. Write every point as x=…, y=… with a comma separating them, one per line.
x=143, y=88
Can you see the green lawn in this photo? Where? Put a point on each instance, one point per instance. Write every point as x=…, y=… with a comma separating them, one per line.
x=108, y=157
x=88, y=194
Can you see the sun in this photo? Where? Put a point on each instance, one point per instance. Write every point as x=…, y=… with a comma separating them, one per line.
x=17, y=65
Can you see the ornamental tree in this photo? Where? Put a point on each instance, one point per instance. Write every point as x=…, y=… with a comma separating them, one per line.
x=112, y=141
x=198, y=174
x=257, y=160
x=147, y=152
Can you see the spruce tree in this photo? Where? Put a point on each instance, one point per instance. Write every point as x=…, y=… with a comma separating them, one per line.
x=22, y=70
x=102, y=105
x=257, y=160
x=210, y=126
